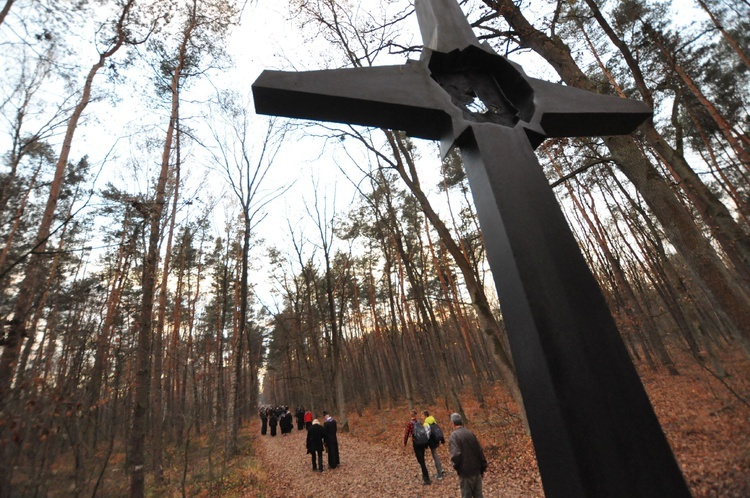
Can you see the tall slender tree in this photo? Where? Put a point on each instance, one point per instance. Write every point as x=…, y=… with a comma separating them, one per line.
x=246, y=171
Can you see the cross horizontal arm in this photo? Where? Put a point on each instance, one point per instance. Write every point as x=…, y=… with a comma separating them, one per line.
x=572, y=112
x=393, y=97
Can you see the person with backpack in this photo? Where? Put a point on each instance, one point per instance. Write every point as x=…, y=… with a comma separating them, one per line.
x=420, y=438
x=436, y=439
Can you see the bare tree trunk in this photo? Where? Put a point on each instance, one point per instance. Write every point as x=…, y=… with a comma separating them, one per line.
x=157, y=427
x=325, y=231
x=6, y=9
x=136, y=443
x=233, y=414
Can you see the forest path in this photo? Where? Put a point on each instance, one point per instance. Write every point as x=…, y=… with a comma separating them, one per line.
x=366, y=470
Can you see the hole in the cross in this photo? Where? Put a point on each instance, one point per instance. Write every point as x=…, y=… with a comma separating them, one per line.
x=478, y=94
x=486, y=87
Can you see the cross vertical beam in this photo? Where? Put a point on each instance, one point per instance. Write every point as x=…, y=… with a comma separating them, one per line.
x=594, y=430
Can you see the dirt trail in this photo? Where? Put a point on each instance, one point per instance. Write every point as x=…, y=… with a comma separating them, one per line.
x=366, y=470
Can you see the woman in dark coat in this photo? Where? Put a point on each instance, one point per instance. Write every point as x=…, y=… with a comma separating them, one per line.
x=300, y=415
x=315, y=436
x=264, y=421
x=272, y=421
x=285, y=422
x=332, y=441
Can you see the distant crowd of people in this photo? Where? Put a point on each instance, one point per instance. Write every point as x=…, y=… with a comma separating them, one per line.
x=276, y=416
x=466, y=453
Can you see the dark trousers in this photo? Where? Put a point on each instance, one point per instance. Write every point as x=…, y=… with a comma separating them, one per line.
x=419, y=453
x=264, y=426
x=317, y=454
x=333, y=454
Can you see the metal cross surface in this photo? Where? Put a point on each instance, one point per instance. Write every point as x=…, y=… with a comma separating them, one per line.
x=593, y=427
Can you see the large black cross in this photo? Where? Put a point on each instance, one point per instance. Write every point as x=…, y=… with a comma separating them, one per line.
x=594, y=430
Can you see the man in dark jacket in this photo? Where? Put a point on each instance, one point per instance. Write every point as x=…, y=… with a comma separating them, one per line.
x=315, y=436
x=332, y=441
x=467, y=458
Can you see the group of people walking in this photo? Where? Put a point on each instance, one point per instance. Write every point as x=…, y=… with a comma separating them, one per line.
x=320, y=437
x=467, y=455
x=273, y=416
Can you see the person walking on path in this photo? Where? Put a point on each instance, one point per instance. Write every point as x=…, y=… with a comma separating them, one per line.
x=286, y=422
x=308, y=419
x=332, y=441
x=420, y=439
x=315, y=440
x=467, y=458
x=299, y=414
x=436, y=439
x=263, y=420
x=272, y=421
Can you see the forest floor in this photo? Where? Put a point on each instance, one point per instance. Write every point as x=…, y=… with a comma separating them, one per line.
x=706, y=419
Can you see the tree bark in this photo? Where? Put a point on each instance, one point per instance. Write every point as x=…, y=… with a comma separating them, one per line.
x=157, y=428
